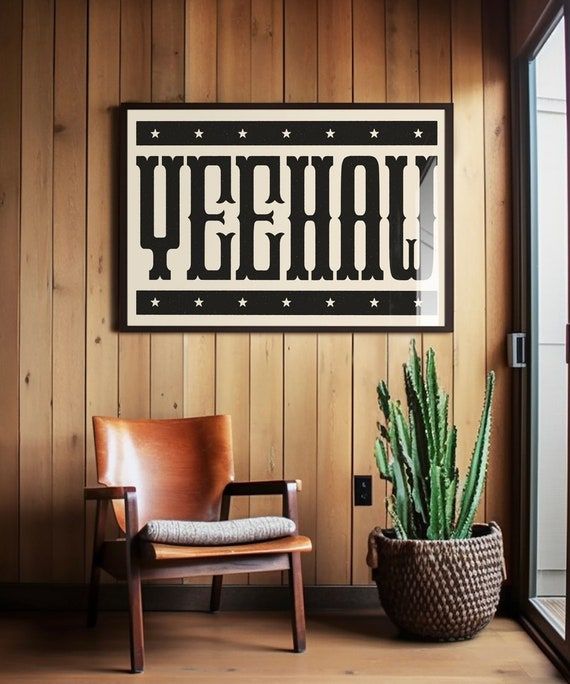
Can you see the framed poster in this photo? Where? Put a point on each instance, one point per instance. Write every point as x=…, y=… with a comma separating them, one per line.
x=286, y=217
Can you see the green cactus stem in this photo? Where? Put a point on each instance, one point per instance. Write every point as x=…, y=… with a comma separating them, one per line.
x=416, y=453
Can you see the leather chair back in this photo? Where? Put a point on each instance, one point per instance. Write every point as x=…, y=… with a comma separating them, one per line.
x=179, y=467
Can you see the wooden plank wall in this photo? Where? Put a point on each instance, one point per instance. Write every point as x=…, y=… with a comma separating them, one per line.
x=303, y=405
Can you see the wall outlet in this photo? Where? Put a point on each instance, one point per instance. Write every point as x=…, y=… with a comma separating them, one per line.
x=363, y=490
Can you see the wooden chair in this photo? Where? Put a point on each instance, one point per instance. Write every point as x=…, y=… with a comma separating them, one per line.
x=179, y=470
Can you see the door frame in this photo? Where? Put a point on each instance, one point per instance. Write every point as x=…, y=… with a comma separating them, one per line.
x=524, y=179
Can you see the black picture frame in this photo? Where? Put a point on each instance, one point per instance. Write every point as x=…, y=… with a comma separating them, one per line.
x=397, y=310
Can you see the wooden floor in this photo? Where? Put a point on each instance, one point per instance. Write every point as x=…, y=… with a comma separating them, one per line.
x=253, y=647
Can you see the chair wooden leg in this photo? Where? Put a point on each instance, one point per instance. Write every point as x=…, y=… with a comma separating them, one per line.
x=136, y=633
x=297, y=602
x=216, y=595
x=98, y=537
x=93, y=597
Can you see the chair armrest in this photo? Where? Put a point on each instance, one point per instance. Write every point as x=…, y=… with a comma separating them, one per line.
x=106, y=493
x=102, y=495
x=286, y=488
x=262, y=487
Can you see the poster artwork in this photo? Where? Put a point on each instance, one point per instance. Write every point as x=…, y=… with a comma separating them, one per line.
x=286, y=217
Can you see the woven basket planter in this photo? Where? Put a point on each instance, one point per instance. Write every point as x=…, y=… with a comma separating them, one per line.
x=439, y=590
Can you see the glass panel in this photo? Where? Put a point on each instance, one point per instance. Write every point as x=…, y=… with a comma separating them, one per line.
x=549, y=316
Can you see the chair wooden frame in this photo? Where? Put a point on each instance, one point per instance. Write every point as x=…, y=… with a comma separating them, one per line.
x=125, y=560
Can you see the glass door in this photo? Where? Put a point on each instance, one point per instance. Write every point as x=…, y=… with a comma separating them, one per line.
x=549, y=306
x=542, y=312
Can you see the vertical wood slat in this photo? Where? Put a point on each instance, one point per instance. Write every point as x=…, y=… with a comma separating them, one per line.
x=135, y=86
x=136, y=53
x=370, y=349
x=435, y=86
x=267, y=50
x=435, y=51
x=300, y=50
x=300, y=433
x=167, y=349
x=168, y=22
x=402, y=85
x=402, y=68
x=102, y=227
x=300, y=349
x=369, y=50
x=167, y=85
x=200, y=86
x=234, y=51
x=68, y=442
x=334, y=383
x=266, y=350
x=10, y=126
x=498, y=267
x=469, y=222
x=199, y=374
x=233, y=349
x=266, y=426
x=369, y=363
x=36, y=292
x=200, y=58
x=201, y=51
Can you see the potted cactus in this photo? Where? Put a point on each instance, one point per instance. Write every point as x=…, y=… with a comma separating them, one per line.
x=438, y=574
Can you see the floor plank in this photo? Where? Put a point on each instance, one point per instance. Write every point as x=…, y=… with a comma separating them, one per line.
x=254, y=647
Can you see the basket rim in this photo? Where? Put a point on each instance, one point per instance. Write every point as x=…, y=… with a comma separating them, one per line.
x=486, y=530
